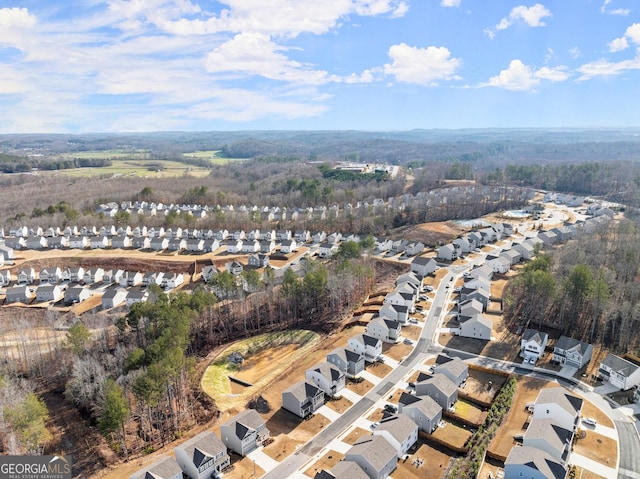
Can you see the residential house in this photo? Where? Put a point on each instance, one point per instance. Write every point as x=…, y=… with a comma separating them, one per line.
x=19, y=294
x=423, y=411
x=447, y=252
x=375, y=455
x=560, y=405
x=258, y=260
x=203, y=456
x=342, y=470
x=49, y=292
x=131, y=278
x=152, y=277
x=234, y=246
x=414, y=248
x=319, y=237
x=397, y=297
x=284, y=235
x=549, y=436
x=463, y=244
x=208, y=272
x=221, y=234
x=470, y=307
x=250, y=246
x=50, y=275
x=288, y=246
x=195, y=245
x=254, y=234
x=438, y=387
x=163, y=468
x=525, y=249
x=15, y=243
x=388, y=330
x=476, y=325
x=5, y=278
x=6, y=252
x=326, y=376
x=563, y=233
x=410, y=278
x=36, y=242
x=619, y=372
x=498, y=264
x=113, y=297
x=302, y=236
x=395, y=312
x=159, y=243
x=244, y=432
x=347, y=361
x=239, y=235
x=549, y=238
x=572, y=352
x=234, y=267
x=532, y=463
x=422, y=266
x=479, y=282
x=136, y=295
x=383, y=245
x=400, y=430
x=302, y=399
x=142, y=242
x=74, y=274
x=79, y=242
x=267, y=246
x=475, y=239
x=398, y=246
x=533, y=343
x=93, y=275
x=512, y=255
x=26, y=276
x=453, y=368
x=481, y=295
x=76, y=294
x=177, y=244
x=122, y=242
x=210, y=245
x=364, y=344
x=172, y=280
x=99, y=242
x=326, y=249
x=112, y=276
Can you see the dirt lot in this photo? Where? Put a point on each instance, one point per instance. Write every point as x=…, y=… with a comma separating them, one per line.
x=600, y=448
x=379, y=369
x=243, y=468
x=339, y=405
x=426, y=463
x=477, y=385
x=361, y=388
x=452, y=434
x=356, y=434
x=327, y=461
x=470, y=412
x=396, y=351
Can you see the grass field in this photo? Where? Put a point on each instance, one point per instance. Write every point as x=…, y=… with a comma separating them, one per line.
x=143, y=168
x=212, y=156
x=216, y=383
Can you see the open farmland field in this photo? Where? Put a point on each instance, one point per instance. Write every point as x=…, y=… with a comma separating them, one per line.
x=140, y=154
x=212, y=156
x=134, y=167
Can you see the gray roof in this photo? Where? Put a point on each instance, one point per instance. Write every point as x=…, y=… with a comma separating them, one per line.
x=538, y=460
x=425, y=404
x=399, y=426
x=327, y=370
x=203, y=447
x=245, y=422
x=303, y=390
x=164, y=468
x=456, y=365
x=534, y=335
x=570, y=344
x=443, y=383
x=563, y=398
x=343, y=470
x=376, y=450
x=620, y=365
x=553, y=433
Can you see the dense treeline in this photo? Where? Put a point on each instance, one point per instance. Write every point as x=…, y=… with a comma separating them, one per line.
x=22, y=165
x=587, y=288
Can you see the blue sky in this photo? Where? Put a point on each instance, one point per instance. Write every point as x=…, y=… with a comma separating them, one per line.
x=149, y=65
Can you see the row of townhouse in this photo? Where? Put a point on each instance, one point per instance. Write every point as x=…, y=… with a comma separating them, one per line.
x=546, y=444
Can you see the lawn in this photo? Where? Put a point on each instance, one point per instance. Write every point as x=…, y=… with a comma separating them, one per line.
x=597, y=447
x=452, y=434
x=426, y=463
x=469, y=412
x=361, y=388
x=137, y=167
x=339, y=405
x=356, y=434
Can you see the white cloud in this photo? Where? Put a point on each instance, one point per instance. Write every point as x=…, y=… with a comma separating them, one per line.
x=532, y=16
x=256, y=54
x=450, y=3
x=622, y=43
x=521, y=77
x=423, y=66
x=603, y=68
x=615, y=11
x=16, y=18
x=575, y=52
x=618, y=44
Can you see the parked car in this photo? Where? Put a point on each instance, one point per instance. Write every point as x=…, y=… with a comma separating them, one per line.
x=457, y=289
x=375, y=425
x=413, y=320
x=407, y=341
x=390, y=408
x=589, y=421
x=424, y=298
x=419, y=308
x=427, y=289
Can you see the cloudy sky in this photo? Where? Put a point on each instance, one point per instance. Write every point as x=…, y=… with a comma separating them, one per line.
x=148, y=65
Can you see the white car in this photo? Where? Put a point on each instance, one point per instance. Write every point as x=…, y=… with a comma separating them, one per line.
x=589, y=421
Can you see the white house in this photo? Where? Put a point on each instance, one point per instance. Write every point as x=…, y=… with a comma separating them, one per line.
x=327, y=377
x=387, y=330
x=532, y=463
x=620, y=372
x=533, y=343
x=364, y=344
x=558, y=404
x=400, y=431
x=477, y=326
x=113, y=297
x=203, y=456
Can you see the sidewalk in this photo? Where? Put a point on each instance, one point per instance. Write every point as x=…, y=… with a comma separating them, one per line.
x=593, y=466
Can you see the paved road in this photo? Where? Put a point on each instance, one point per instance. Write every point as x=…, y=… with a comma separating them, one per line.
x=629, y=467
